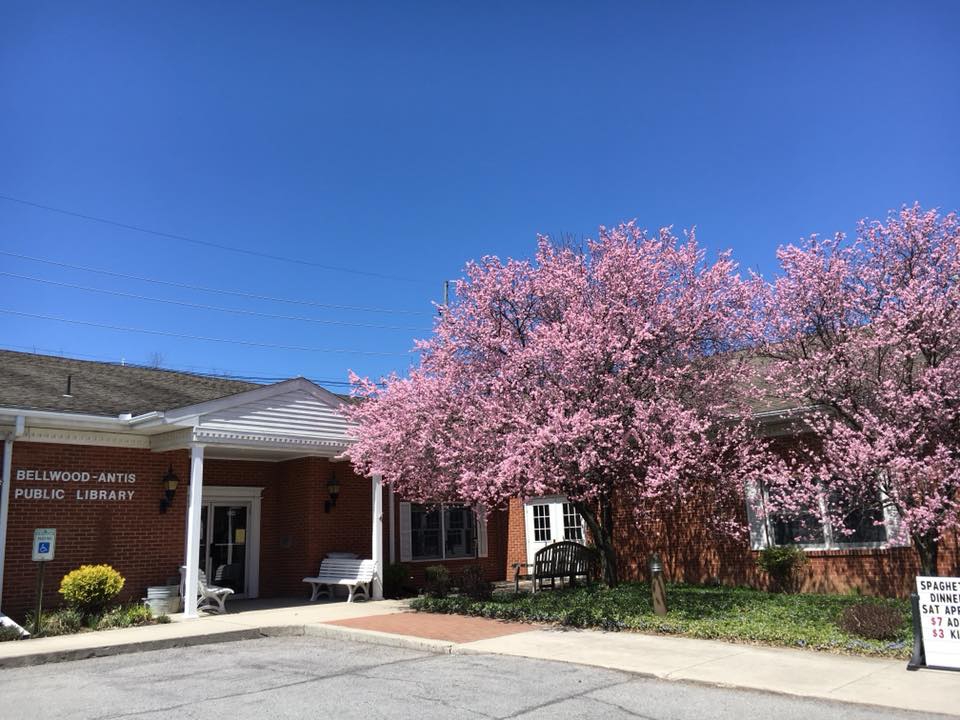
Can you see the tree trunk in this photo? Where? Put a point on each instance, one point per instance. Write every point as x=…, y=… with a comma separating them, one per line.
x=602, y=534
x=927, y=547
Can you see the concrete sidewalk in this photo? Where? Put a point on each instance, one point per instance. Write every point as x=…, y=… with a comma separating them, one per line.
x=868, y=681
x=860, y=680
x=261, y=619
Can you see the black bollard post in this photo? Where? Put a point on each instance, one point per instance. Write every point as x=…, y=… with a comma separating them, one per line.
x=918, y=660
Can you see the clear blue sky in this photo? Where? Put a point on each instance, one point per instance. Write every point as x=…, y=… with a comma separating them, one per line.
x=402, y=139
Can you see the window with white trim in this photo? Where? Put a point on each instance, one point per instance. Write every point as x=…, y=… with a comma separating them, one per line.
x=865, y=524
x=572, y=523
x=442, y=532
x=541, y=523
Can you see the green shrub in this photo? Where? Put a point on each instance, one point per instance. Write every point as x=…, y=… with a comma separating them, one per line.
x=396, y=581
x=782, y=563
x=872, y=620
x=437, y=581
x=89, y=588
x=65, y=621
x=125, y=616
x=8, y=633
x=474, y=585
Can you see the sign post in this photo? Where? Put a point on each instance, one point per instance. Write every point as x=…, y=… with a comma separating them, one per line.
x=44, y=544
x=936, y=612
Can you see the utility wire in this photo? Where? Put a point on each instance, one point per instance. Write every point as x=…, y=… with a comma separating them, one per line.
x=201, y=288
x=216, y=308
x=205, y=243
x=164, y=333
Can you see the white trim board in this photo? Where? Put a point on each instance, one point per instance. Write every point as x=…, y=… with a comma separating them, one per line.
x=243, y=495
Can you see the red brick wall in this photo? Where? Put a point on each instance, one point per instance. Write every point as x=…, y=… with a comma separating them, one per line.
x=493, y=565
x=516, y=537
x=691, y=553
x=145, y=546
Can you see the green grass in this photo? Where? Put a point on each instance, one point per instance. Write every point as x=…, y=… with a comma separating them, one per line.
x=716, y=613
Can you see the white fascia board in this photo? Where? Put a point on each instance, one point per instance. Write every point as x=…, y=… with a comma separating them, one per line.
x=178, y=415
x=786, y=414
x=66, y=419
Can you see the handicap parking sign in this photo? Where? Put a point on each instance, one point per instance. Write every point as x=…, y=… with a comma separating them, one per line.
x=44, y=542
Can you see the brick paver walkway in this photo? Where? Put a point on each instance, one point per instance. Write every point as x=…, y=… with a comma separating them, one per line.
x=451, y=628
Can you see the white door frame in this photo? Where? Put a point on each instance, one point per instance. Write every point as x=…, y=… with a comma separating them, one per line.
x=554, y=504
x=240, y=495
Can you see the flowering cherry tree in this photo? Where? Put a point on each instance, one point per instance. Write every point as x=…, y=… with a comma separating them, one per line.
x=867, y=334
x=605, y=375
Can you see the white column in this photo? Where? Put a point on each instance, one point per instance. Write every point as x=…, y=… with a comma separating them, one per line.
x=378, y=536
x=191, y=575
x=5, y=506
x=391, y=514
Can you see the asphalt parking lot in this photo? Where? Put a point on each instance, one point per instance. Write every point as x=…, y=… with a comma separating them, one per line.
x=301, y=677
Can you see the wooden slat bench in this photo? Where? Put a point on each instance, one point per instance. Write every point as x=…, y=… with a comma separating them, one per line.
x=566, y=559
x=355, y=574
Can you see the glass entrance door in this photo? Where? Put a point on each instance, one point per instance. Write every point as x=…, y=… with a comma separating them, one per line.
x=223, y=544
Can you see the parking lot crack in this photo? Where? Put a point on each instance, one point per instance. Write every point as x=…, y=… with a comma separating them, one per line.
x=346, y=672
x=565, y=698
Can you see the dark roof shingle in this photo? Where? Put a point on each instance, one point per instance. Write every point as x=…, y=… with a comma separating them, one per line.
x=39, y=382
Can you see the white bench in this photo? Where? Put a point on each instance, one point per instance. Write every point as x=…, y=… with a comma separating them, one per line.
x=355, y=574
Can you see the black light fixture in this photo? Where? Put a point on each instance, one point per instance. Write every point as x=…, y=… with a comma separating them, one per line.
x=170, y=482
x=333, y=490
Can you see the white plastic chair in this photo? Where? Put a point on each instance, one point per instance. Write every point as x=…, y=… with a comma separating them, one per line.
x=209, y=597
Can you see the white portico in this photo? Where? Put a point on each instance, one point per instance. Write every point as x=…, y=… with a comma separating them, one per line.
x=282, y=427
x=291, y=419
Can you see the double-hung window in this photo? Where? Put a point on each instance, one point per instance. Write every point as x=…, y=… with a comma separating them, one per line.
x=832, y=522
x=439, y=532
x=572, y=523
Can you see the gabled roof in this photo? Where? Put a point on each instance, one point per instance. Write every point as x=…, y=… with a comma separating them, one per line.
x=39, y=382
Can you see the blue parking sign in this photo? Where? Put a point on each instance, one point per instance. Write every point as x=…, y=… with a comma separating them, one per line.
x=44, y=542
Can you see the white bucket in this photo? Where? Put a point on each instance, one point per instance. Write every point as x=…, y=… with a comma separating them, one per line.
x=160, y=592
x=164, y=603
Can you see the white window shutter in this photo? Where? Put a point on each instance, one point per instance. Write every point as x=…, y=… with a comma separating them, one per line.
x=481, y=515
x=759, y=538
x=406, y=553
x=891, y=519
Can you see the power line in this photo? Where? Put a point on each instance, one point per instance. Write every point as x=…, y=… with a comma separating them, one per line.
x=249, y=343
x=220, y=291
x=204, y=243
x=216, y=308
x=191, y=369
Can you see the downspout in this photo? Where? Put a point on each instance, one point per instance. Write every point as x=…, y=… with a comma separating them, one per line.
x=5, y=493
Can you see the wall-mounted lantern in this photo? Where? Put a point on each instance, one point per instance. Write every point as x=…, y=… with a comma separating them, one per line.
x=170, y=482
x=333, y=490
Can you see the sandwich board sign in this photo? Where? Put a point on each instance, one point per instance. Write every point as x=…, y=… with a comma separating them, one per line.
x=940, y=620
x=44, y=544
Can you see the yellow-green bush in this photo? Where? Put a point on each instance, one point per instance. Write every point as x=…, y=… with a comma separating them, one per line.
x=89, y=588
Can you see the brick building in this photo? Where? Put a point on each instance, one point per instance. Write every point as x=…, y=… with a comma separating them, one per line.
x=263, y=494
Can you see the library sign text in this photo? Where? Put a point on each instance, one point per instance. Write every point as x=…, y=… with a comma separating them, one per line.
x=79, y=485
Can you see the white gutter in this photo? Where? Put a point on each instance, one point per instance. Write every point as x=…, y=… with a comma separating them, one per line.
x=72, y=418
x=786, y=413
x=18, y=429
